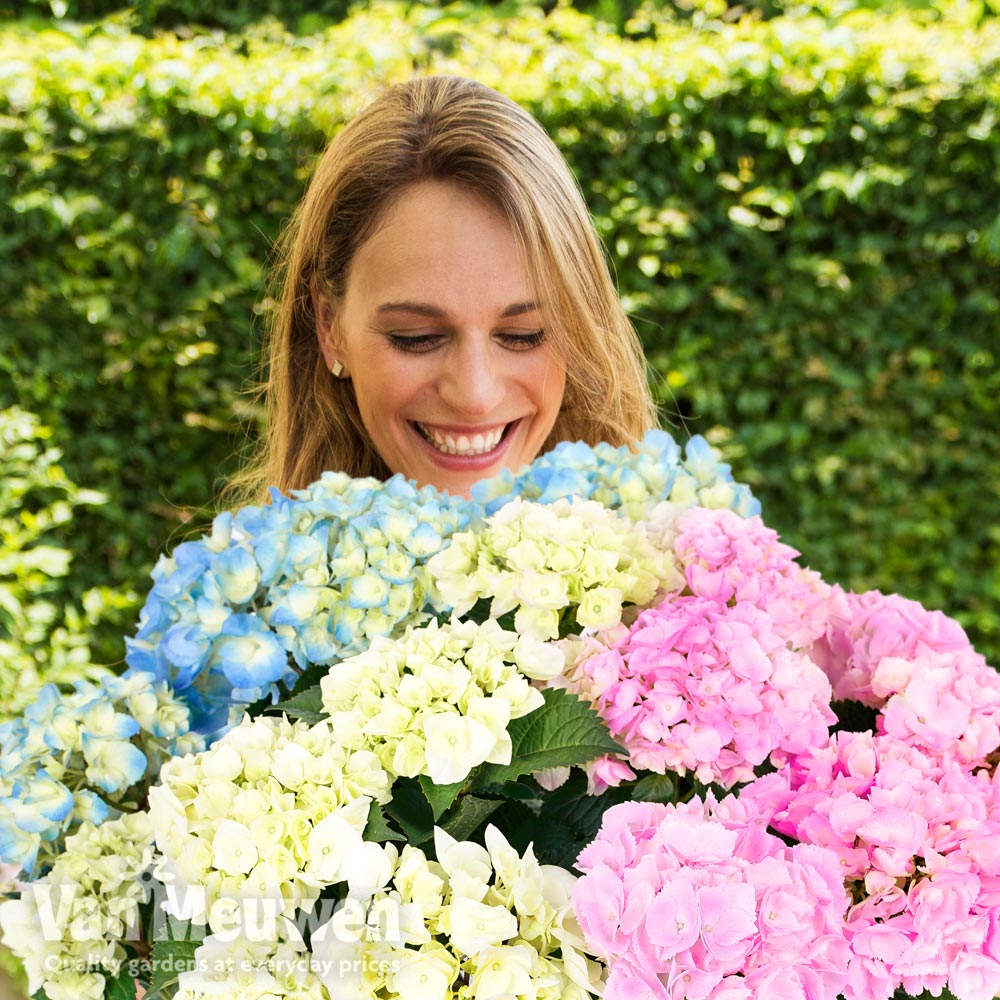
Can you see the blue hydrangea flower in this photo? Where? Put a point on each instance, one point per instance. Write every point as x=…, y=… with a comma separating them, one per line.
x=42, y=801
x=73, y=757
x=112, y=764
x=235, y=616
x=633, y=481
x=249, y=653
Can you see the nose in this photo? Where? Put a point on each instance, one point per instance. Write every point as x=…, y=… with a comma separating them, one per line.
x=472, y=380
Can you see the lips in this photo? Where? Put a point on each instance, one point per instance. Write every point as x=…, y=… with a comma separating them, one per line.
x=463, y=445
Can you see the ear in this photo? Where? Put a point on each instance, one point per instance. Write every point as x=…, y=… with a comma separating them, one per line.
x=326, y=330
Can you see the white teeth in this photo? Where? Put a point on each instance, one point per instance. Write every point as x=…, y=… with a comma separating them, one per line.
x=478, y=444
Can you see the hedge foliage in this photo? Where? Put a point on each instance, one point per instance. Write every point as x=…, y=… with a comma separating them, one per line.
x=43, y=637
x=802, y=212
x=152, y=15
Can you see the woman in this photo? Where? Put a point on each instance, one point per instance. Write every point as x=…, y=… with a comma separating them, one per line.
x=445, y=309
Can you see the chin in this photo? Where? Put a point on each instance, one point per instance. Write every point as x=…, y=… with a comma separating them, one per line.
x=457, y=486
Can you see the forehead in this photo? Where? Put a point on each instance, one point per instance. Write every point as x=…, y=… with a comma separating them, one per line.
x=440, y=238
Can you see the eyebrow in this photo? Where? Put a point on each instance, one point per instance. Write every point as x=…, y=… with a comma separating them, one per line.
x=426, y=309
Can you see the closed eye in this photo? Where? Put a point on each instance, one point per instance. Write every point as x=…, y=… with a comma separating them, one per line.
x=521, y=341
x=417, y=343
x=420, y=343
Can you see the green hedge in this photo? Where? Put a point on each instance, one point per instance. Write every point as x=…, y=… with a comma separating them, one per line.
x=44, y=638
x=802, y=213
x=148, y=16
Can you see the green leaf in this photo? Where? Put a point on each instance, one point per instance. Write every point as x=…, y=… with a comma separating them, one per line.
x=854, y=717
x=411, y=811
x=945, y=994
x=563, y=732
x=377, y=828
x=312, y=676
x=471, y=813
x=172, y=929
x=440, y=797
x=655, y=788
x=122, y=988
x=479, y=612
x=570, y=818
x=168, y=960
x=517, y=790
x=306, y=705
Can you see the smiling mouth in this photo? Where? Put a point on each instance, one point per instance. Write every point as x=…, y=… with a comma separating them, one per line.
x=479, y=443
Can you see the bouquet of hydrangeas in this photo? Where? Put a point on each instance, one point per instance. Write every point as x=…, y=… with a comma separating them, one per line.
x=593, y=732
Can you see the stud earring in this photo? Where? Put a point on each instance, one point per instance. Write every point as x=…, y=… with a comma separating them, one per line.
x=336, y=369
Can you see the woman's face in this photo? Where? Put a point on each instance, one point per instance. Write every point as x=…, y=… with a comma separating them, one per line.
x=443, y=338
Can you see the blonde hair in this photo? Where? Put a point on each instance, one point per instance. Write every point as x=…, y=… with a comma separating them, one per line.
x=456, y=130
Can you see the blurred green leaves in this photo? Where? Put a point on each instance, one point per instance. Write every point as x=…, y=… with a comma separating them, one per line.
x=43, y=635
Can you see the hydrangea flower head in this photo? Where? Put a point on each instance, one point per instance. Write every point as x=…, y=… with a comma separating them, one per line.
x=945, y=705
x=67, y=926
x=273, y=812
x=872, y=626
x=728, y=559
x=71, y=757
x=705, y=687
x=572, y=559
x=480, y=922
x=703, y=898
x=303, y=580
x=632, y=480
x=437, y=701
x=917, y=840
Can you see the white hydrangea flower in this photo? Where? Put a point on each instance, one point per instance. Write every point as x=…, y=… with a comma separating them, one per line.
x=67, y=927
x=422, y=881
x=662, y=526
x=437, y=701
x=252, y=968
x=466, y=864
x=601, y=607
x=72, y=984
x=419, y=975
x=335, y=841
x=231, y=829
x=541, y=623
x=472, y=926
x=233, y=849
x=478, y=923
x=544, y=560
x=455, y=744
x=504, y=970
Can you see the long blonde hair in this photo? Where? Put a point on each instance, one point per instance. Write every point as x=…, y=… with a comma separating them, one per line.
x=449, y=129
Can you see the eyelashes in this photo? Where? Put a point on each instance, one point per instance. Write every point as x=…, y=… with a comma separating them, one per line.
x=418, y=344
x=421, y=343
x=521, y=341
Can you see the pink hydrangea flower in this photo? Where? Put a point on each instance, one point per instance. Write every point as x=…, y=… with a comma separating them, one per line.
x=934, y=690
x=872, y=626
x=728, y=559
x=705, y=687
x=945, y=704
x=917, y=836
x=700, y=901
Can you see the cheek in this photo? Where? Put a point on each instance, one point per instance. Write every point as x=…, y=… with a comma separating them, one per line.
x=551, y=384
x=382, y=383
x=376, y=404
